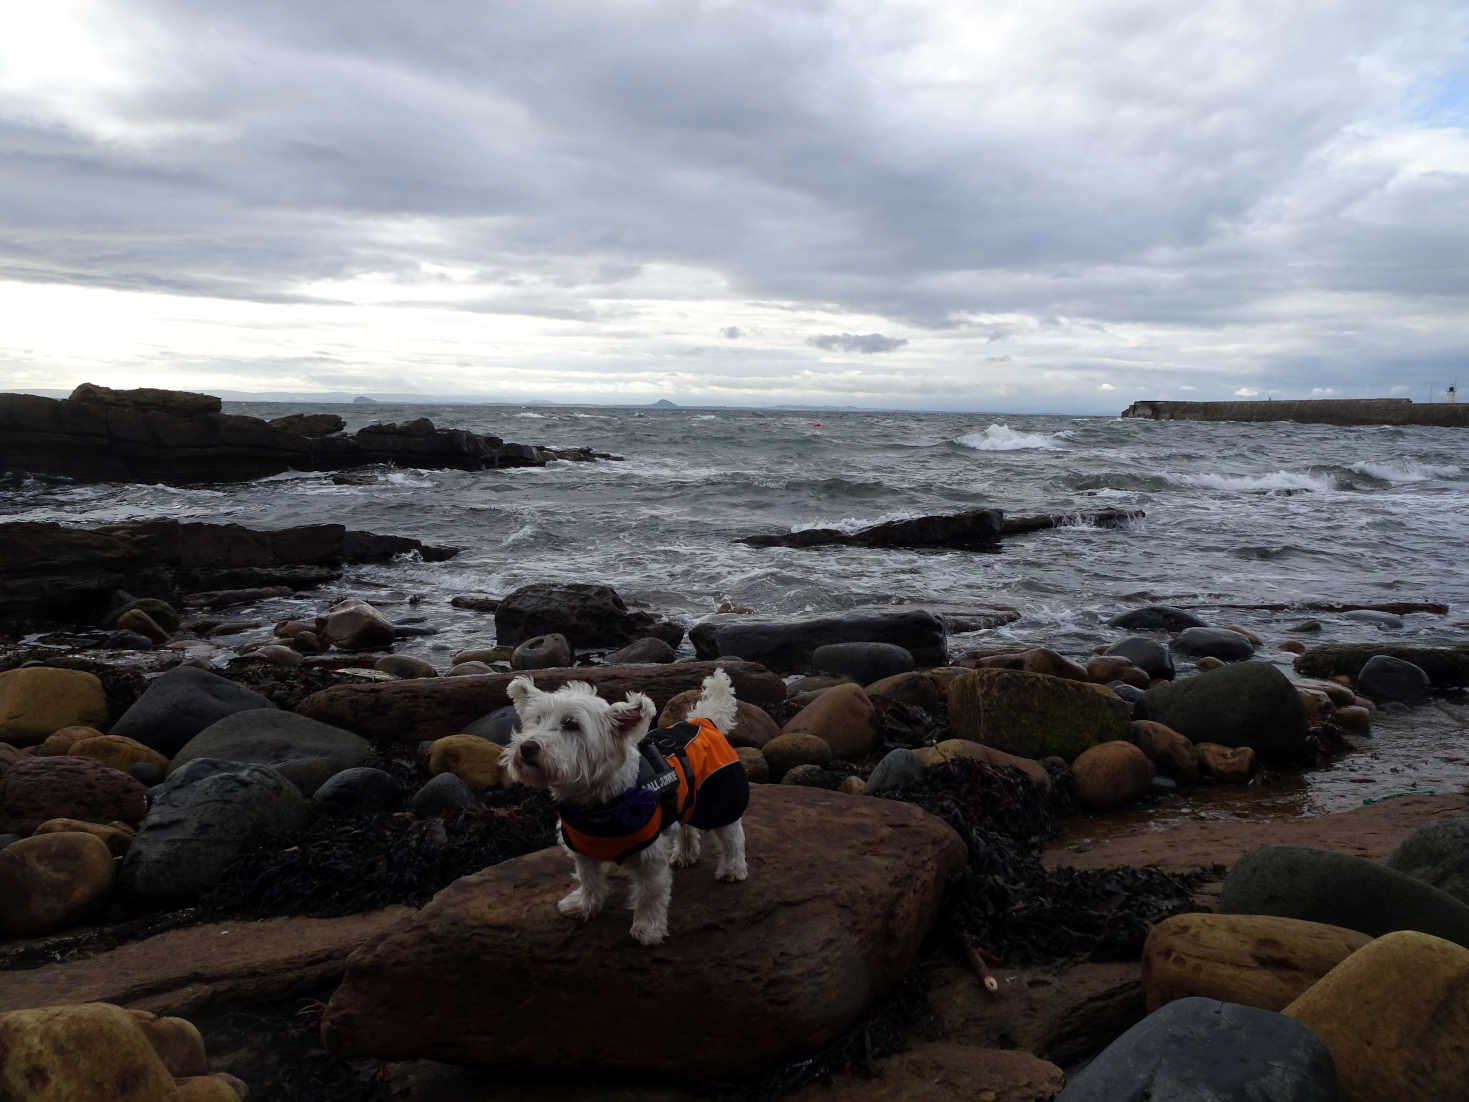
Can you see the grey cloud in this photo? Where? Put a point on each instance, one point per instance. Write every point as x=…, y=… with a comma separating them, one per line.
x=1150, y=172
x=851, y=342
x=730, y=332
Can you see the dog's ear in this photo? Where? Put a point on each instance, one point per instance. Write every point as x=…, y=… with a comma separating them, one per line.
x=521, y=691
x=632, y=718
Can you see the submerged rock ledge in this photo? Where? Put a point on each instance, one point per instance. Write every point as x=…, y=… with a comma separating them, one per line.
x=171, y=436
x=974, y=530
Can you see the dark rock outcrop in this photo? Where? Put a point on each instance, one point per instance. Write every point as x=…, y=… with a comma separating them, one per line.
x=57, y=573
x=106, y=435
x=309, y=424
x=588, y=615
x=973, y=530
x=788, y=645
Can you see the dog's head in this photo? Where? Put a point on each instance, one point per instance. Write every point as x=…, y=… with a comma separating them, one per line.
x=573, y=741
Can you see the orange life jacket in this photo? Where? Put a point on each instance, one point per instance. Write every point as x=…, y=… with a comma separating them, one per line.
x=687, y=773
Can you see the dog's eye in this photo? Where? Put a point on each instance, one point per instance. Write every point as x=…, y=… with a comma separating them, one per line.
x=570, y=724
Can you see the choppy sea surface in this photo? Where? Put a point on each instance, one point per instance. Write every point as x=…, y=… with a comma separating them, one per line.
x=1235, y=514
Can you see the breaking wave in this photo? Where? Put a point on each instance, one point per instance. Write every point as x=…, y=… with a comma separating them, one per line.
x=1002, y=438
x=1405, y=470
x=1274, y=482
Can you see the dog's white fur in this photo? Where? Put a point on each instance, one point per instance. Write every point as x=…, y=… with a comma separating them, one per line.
x=585, y=751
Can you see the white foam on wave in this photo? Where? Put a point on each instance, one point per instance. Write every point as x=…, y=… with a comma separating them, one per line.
x=1405, y=470
x=520, y=535
x=1002, y=438
x=854, y=524
x=535, y=416
x=707, y=417
x=1247, y=483
x=413, y=480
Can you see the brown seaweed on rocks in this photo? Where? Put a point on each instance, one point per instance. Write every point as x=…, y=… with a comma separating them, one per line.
x=339, y=866
x=1007, y=903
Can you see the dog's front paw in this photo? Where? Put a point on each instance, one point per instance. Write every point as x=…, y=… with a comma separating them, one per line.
x=650, y=931
x=732, y=872
x=577, y=905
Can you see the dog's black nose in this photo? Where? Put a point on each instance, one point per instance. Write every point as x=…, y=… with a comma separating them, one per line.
x=530, y=752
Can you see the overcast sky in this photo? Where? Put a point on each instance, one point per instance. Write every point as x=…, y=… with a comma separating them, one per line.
x=1013, y=205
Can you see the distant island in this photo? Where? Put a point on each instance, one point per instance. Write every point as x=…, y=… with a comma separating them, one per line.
x=363, y=400
x=663, y=403
x=1314, y=411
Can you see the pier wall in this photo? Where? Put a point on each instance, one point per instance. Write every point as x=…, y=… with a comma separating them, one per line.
x=1316, y=411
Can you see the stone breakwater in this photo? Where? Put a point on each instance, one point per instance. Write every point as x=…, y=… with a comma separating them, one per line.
x=902, y=792
x=1315, y=411
x=170, y=436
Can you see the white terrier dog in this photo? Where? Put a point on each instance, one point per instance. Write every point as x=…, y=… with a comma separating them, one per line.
x=626, y=794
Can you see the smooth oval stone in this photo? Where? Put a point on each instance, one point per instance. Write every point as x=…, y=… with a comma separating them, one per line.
x=1200, y=1050
x=357, y=790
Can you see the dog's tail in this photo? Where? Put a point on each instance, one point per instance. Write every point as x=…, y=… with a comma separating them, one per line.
x=716, y=701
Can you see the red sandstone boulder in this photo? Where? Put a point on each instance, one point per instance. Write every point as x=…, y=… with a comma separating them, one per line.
x=841, y=892
x=66, y=788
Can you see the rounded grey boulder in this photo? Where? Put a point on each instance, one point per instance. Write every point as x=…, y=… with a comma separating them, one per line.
x=543, y=652
x=1220, y=643
x=441, y=795
x=1155, y=618
x=864, y=663
x=1148, y=655
x=498, y=726
x=1438, y=854
x=1383, y=680
x=201, y=818
x=358, y=790
x=1200, y=1050
x=1341, y=890
x=1250, y=704
x=898, y=768
x=177, y=705
x=304, y=750
x=645, y=650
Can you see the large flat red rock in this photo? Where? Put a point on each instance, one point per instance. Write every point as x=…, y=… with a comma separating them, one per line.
x=1373, y=832
x=842, y=890
x=176, y=971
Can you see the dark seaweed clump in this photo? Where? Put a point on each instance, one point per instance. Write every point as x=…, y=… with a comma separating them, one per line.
x=1006, y=902
x=276, y=1049
x=340, y=866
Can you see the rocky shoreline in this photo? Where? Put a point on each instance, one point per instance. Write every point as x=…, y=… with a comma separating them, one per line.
x=297, y=865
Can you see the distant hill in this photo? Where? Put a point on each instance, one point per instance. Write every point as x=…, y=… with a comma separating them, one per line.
x=362, y=400
x=663, y=403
